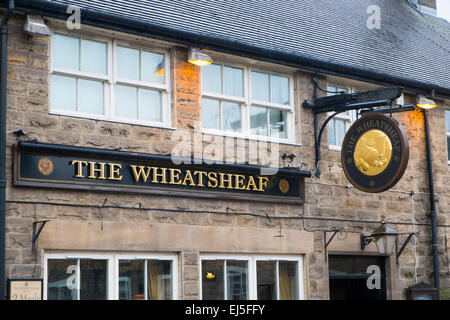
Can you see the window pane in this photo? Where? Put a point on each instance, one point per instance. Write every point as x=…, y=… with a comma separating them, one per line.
x=131, y=279
x=231, y=116
x=448, y=147
x=233, y=82
x=331, y=132
x=340, y=131
x=153, y=67
x=150, y=107
x=212, y=78
x=237, y=280
x=213, y=287
x=126, y=102
x=280, y=89
x=159, y=280
x=62, y=277
x=447, y=120
x=288, y=280
x=210, y=114
x=265, y=278
x=93, y=56
x=128, y=63
x=258, y=121
x=277, y=120
x=260, y=86
x=66, y=52
x=63, y=93
x=93, y=284
x=90, y=96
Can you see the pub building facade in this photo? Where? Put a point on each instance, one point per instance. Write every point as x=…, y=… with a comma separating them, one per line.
x=134, y=173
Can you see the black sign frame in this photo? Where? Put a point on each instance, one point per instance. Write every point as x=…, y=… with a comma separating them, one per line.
x=398, y=162
x=39, y=165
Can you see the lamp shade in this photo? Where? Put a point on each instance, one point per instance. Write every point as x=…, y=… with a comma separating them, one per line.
x=425, y=103
x=384, y=237
x=198, y=58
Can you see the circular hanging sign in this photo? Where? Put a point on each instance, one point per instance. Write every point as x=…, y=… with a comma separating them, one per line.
x=375, y=153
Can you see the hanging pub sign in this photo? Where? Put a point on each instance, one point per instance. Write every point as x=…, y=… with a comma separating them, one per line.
x=375, y=153
x=56, y=166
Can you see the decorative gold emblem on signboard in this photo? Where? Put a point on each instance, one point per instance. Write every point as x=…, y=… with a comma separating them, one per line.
x=284, y=185
x=375, y=153
x=45, y=166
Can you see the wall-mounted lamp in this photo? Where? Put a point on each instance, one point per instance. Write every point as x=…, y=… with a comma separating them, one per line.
x=385, y=238
x=35, y=25
x=425, y=103
x=198, y=58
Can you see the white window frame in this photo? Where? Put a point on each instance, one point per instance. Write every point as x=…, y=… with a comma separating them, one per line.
x=349, y=117
x=110, y=80
x=113, y=267
x=448, y=132
x=246, y=102
x=252, y=271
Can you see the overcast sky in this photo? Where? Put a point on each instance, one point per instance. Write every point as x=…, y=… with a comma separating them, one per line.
x=443, y=9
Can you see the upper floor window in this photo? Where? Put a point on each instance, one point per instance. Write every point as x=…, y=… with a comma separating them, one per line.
x=247, y=103
x=338, y=126
x=106, y=80
x=447, y=125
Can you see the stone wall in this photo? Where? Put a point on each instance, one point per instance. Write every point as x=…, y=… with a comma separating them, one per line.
x=328, y=198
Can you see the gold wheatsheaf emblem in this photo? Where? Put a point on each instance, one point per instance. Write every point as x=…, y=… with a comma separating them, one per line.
x=373, y=152
x=45, y=166
x=284, y=185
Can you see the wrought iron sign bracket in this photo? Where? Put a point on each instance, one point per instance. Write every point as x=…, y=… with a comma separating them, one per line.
x=342, y=102
x=399, y=252
x=38, y=232
x=326, y=243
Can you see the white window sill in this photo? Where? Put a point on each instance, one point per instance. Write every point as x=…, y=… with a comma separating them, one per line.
x=334, y=147
x=249, y=137
x=103, y=118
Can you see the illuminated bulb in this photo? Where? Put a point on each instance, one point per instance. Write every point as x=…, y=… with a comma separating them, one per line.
x=198, y=58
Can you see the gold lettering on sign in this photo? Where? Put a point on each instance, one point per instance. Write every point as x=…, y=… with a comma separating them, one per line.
x=224, y=180
x=251, y=182
x=239, y=182
x=78, y=167
x=157, y=175
x=174, y=174
x=200, y=174
x=139, y=171
x=212, y=176
x=188, y=176
x=93, y=170
x=262, y=183
x=114, y=171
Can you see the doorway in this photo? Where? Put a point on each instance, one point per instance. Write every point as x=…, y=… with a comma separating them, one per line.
x=349, y=277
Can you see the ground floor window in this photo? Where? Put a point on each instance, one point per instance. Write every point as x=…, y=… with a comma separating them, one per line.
x=110, y=276
x=251, y=277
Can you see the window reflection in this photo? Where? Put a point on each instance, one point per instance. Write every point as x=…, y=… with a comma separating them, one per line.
x=62, y=280
x=258, y=121
x=131, y=279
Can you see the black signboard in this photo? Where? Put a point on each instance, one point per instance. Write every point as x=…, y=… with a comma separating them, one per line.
x=375, y=153
x=56, y=166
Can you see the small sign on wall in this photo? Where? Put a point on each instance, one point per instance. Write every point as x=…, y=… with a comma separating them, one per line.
x=25, y=289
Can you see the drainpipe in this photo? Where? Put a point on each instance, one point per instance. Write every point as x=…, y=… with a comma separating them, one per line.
x=432, y=207
x=3, y=87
